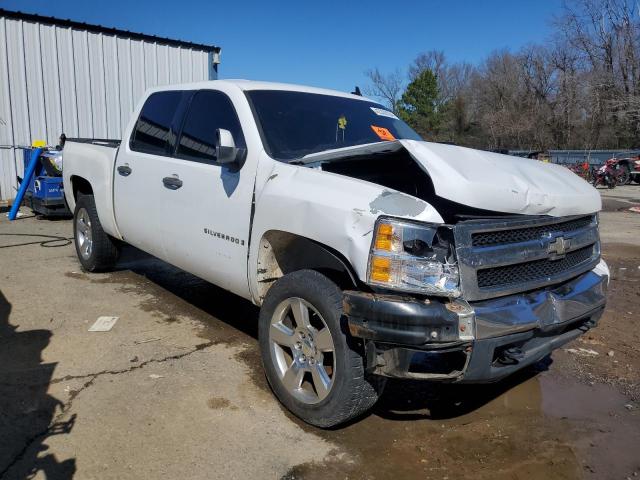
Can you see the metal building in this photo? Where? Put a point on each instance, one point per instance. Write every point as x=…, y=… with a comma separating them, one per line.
x=84, y=80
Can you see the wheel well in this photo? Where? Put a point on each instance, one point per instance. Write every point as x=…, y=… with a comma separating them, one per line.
x=281, y=253
x=80, y=185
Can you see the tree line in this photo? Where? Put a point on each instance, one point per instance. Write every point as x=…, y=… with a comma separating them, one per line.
x=579, y=90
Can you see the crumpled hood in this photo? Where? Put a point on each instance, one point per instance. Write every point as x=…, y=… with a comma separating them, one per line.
x=502, y=183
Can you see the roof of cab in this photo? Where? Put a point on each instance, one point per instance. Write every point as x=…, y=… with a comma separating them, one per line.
x=248, y=85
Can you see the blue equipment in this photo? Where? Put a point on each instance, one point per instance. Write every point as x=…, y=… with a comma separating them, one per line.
x=41, y=186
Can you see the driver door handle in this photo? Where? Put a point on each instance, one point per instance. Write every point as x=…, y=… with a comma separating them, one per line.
x=172, y=183
x=124, y=170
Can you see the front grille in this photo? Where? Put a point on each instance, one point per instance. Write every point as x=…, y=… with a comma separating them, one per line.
x=523, y=273
x=499, y=237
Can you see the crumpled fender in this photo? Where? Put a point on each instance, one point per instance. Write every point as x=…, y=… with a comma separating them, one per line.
x=503, y=183
x=334, y=210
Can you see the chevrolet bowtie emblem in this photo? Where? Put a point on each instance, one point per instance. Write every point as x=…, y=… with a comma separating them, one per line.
x=558, y=248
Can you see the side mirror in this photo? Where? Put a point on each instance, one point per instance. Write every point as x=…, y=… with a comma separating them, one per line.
x=226, y=150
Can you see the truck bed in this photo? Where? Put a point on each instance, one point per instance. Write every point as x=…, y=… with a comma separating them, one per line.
x=90, y=161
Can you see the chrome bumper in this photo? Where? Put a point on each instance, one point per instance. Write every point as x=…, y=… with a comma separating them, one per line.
x=542, y=309
x=480, y=341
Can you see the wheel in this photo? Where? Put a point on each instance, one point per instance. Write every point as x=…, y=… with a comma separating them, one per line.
x=624, y=177
x=312, y=364
x=611, y=182
x=96, y=250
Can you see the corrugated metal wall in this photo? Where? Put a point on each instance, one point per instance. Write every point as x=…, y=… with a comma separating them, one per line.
x=56, y=79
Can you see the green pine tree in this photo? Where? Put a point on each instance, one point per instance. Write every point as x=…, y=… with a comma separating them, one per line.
x=418, y=105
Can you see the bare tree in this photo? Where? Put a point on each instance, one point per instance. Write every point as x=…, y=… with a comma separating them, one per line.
x=433, y=60
x=452, y=78
x=385, y=87
x=581, y=89
x=606, y=36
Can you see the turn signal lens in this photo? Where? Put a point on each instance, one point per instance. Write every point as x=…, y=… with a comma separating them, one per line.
x=384, y=237
x=380, y=269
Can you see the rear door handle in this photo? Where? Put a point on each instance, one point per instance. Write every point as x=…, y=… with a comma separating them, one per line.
x=172, y=183
x=124, y=170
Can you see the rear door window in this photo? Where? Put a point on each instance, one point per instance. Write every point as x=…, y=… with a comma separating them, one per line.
x=209, y=110
x=153, y=133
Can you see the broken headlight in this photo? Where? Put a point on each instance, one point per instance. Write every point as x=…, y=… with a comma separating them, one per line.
x=413, y=257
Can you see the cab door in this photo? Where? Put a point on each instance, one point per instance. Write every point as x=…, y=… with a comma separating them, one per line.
x=138, y=190
x=206, y=206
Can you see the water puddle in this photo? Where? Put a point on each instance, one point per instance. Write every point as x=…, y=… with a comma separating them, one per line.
x=530, y=427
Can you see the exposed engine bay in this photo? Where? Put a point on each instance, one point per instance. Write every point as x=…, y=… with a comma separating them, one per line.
x=398, y=170
x=453, y=178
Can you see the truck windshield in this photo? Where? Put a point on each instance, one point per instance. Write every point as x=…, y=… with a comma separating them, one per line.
x=295, y=124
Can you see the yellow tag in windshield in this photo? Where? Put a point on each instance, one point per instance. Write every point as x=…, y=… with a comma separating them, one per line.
x=383, y=133
x=342, y=122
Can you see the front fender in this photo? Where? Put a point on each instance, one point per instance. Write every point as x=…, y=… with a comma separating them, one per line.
x=334, y=210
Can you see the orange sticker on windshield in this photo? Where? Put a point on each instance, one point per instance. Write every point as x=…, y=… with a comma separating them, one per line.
x=383, y=133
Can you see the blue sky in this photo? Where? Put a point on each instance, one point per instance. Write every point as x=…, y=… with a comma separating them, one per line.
x=321, y=43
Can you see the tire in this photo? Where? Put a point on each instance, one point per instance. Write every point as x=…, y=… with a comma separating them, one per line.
x=351, y=391
x=96, y=250
x=625, y=175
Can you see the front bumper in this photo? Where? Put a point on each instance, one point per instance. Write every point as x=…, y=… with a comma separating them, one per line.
x=481, y=341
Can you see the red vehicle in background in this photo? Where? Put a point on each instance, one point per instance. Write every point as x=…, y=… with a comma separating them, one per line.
x=608, y=174
x=629, y=170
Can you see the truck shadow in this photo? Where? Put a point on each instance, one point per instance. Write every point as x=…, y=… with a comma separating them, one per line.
x=26, y=409
x=406, y=400
x=402, y=400
x=232, y=310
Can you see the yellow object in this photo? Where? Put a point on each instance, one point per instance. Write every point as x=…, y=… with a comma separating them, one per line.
x=380, y=269
x=38, y=143
x=342, y=122
x=384, y=237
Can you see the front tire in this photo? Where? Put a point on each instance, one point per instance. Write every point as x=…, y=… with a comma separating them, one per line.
x=312, y=364
x=625, y=175
x=96, y=250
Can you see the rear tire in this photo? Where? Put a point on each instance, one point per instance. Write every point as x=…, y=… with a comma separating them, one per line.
x=625, y=175
x=96, y=250
x=290, y=353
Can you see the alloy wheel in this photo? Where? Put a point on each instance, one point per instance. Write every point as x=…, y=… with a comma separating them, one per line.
x=84, y=236
x=302, y=350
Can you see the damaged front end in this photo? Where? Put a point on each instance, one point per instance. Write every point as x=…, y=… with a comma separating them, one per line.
x=462, y=182
x=495, y=295
x=437, y=339
x=470, y=265
x=409, y=337
x=519, y=298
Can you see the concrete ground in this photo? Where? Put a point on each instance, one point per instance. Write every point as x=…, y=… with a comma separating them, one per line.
x=175, y=389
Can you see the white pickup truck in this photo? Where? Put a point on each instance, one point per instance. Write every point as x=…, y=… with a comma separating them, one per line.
x=371, y=252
